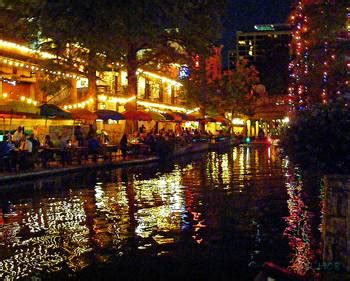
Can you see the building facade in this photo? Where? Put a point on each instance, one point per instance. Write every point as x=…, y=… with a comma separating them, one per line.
x=267, y=48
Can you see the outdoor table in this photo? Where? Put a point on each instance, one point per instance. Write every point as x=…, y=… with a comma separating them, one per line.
x=22, y=158
x=48, y=154
x=110, y=149
x=80, y=152
x=139, y=148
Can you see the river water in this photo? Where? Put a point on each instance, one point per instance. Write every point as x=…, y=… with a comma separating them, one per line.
x=211, y=216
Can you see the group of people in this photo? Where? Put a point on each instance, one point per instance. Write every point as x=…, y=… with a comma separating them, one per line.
x=163, y=141
x=19, y=149
x=22, y=150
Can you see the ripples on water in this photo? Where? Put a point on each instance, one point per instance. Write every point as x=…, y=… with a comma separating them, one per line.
x=229, y=209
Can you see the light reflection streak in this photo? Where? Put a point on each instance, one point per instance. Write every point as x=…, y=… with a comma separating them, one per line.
x=61, y=225
x=298, y=228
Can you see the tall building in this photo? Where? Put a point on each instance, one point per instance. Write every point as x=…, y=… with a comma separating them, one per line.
x=267, y=48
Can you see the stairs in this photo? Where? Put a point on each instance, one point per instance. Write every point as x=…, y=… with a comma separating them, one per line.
x=60, y=97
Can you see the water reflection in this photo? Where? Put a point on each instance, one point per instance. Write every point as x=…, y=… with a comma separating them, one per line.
x=303, y=222
x=227, y=207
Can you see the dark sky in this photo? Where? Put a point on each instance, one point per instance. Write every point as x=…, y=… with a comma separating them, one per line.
x=244, y=14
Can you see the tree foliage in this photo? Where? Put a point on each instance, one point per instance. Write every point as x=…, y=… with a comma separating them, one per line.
x=318, y=139
x=234, y=93
x=138, y=33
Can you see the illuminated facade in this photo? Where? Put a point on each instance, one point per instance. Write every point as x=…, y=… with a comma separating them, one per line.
x=164, y=91
x=21, y=73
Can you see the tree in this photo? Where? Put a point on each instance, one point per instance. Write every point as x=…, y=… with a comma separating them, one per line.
x=316, y=139
x=318, y=71
x=137, y=33
x=169, y=31
x=236, y=87
x=76, y=31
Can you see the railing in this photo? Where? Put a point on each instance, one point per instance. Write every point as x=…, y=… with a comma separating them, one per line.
x=61, y=96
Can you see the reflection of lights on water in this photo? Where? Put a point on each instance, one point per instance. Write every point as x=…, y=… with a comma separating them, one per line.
x=61, y=223
x=167, y=216
x=247, y=155
x=234, y=154
x=269, y=152
x=225, y=170
x=65, y=231
x=298, y=228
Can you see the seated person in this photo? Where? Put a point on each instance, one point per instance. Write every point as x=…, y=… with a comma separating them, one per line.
x=35, y=147
x=25, y=157
x=7, y=156
x=47, y=154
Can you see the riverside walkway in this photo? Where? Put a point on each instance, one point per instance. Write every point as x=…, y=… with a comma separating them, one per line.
x=56, y=169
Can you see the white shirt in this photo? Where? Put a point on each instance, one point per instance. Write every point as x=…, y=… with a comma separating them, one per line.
x=27, y=146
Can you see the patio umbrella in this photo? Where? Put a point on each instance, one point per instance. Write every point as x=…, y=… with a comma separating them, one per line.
x=220, y=119
x=105, y=114
x=137, y=115
x=185, y=116
x=17, y=108
x=52, y=111
x=172, y=116
x=208, y=119
x=156, y=116
x=195, y=116
x=83, y=114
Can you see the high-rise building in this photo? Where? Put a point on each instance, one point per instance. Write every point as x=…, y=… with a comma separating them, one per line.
x=267, y=48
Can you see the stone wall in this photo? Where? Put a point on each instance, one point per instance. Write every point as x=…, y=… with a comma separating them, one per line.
x=336, y=222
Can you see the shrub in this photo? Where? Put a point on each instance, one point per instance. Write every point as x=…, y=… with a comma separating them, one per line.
x=319, y=138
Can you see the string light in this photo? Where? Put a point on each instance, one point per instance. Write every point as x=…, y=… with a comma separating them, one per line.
x=299, y=66
x=10, y=46
x=163, y=106
x=33, y=67
x=80, y=105
x=29, y=100
x=163, y=78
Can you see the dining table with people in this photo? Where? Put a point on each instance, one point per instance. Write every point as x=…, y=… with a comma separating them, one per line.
x=22, y=150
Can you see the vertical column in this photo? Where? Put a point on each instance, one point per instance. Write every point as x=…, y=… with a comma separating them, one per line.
x=73, y=91
x=161, y=92
x=32, y=91
x=39, y=95
x=147, y=89
x=248, y=128
x=172, y=94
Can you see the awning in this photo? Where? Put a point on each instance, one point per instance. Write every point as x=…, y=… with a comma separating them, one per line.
x=109, y=114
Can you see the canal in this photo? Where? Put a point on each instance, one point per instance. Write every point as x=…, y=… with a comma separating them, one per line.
x=211, y=216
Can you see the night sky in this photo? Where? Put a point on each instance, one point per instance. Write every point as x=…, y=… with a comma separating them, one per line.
x=244, y=14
